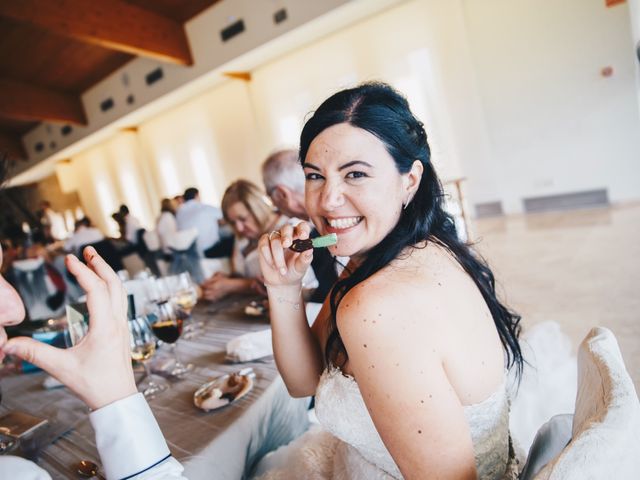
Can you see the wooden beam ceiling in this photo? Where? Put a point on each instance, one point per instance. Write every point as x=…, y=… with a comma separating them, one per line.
x=31, y=103
x=113, y=24
x=12, y=146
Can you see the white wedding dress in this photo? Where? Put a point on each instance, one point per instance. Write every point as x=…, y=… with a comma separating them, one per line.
x=348, y=446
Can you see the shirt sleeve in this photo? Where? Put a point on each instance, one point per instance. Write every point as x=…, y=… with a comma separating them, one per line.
x=130, y=442
x=16, y=467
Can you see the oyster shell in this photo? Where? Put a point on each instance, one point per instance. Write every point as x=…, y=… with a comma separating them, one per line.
x=222, y=391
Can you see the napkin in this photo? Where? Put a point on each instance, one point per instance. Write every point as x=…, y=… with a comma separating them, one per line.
x=250, y=346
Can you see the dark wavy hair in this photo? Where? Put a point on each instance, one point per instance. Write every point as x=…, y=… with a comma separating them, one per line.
x=385, y=113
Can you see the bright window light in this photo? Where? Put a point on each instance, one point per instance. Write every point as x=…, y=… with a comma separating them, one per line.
x=169, y=176
x=131, y=191
x=202, y=169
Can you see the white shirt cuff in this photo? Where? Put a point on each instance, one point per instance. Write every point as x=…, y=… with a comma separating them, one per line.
x=128, y=437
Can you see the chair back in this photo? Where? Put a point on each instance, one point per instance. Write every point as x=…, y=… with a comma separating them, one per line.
x=36, y=289
x=150, y=253
x=186, y=257
x=151, y=240
x=605, y=439
x=108, y=252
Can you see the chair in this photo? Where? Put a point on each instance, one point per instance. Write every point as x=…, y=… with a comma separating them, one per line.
x=108, y=252
x=185, y=254
x=605, y=434
x=152, y=251
x=41, y=298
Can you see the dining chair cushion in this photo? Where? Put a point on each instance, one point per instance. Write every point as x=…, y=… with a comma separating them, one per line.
x=606, y=423
x=551, y=438
x=151, y=240
x=182, y=239
x=28, y=265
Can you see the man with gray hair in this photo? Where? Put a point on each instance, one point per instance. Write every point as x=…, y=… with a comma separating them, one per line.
x=284, y=180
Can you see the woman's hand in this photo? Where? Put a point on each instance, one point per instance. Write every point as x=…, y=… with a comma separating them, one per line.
x=216, y=287
x=281, y=266
x=98, y=369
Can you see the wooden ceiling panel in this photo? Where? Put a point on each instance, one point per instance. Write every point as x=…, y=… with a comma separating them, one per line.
x=53, y=51
x=13, y=126
x=179, y=10
x=53, y=61
x=112, y=24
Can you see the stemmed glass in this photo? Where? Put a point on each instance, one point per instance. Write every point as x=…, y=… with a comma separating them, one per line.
x=143, y=347
x=185, y=297
x=168, y=328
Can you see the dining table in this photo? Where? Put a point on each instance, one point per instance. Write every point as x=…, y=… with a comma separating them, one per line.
x=221, y=444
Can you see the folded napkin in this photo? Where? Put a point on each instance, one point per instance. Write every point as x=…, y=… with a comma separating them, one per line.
x=250, y=346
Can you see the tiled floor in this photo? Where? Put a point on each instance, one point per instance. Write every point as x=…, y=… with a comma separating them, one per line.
x=579, y=268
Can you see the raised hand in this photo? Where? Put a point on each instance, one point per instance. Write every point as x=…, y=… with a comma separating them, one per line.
x=281, y=266
x=98, y=369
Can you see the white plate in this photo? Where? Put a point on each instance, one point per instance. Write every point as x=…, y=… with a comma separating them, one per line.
x=224, y=390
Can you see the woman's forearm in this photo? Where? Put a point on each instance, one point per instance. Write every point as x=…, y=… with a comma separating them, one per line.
x=239, y=285
x=295, y=348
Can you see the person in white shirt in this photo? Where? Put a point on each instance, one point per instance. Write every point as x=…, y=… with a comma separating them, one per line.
x=284, y=180
x=193, y=213
x=84, y=234
x=166, y=225
x=52, y=222
x=131, y=225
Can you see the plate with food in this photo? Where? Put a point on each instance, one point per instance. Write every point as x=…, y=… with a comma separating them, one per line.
x=224, y=390
x=255, y=309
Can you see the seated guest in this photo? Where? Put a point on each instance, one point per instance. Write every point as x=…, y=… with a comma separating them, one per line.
x=283, y=180
x=121, y=226
x=131, y=225
x=166, y=224
x=204, y=218
x=84, y=234
x=250, y=214
x=51, y=222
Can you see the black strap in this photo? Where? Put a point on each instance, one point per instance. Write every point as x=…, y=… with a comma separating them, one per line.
x=146, y=469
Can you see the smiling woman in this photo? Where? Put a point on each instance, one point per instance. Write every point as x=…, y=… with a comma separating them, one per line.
x=407, y=358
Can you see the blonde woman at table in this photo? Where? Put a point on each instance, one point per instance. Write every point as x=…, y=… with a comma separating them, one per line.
x=99, y=371
x=250, y=213
x=407, y=358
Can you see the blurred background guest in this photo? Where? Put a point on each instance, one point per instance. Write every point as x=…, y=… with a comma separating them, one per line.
x=84, y=234
x=51, y=222
x=283, y=180
x=131, y=225
x=195, y=214
x=166, y=224
x=117, y=217
x=250, y=213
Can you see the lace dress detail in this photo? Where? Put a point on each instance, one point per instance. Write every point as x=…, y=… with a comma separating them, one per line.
x=348, y=445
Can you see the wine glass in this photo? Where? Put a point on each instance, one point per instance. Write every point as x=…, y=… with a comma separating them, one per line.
x=168, y=328
x=143, y=347
x=185, y=297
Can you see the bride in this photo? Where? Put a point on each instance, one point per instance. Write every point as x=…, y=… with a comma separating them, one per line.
x=408, y=356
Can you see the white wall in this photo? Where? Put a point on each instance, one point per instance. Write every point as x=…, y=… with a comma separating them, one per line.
x=634, y=9
x=417, y=46
x=206, y=142
x=107, y=176
x=555, y=124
